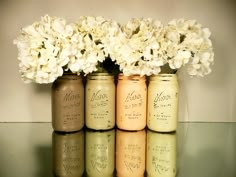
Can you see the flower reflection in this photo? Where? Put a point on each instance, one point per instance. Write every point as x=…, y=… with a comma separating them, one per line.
x=161, y=154
x=130, y=153
x=100, y=153
x=68, y=154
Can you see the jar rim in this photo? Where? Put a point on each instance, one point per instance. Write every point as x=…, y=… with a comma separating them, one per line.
x=100, y=76
x=135, y=77
x=163, y=77
x=71, y=76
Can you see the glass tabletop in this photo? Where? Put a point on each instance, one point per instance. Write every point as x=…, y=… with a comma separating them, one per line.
x=194, y=150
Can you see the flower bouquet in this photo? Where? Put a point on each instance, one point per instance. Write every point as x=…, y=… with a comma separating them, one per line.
x=51, y=48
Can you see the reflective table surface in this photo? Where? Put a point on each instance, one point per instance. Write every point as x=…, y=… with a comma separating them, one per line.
x=194, y=150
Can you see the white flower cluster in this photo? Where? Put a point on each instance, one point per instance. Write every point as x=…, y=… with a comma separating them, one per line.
x=139, y=50
x=51, y=46
x=187, y=43
x=89, y=44
x=42, y=51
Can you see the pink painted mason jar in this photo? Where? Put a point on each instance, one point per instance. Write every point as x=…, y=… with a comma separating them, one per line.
x=131, y=102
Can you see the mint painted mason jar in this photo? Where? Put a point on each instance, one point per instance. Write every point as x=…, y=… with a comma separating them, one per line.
x=162, y=109
x=100, y=101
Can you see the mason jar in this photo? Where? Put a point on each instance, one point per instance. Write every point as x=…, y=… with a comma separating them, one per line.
x=131, y=102
x=162, y=107
x=67, y=96
x=100, y=101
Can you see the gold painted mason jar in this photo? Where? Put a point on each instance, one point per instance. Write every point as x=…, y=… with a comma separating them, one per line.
x=131, y=102
x=68, y=154
x=100, y=101
x=130, y=153
x=163, y=103
x=100, y=153
x=161, y=154
x=68, y=103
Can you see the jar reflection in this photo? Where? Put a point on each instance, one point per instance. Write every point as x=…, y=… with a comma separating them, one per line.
x=100, y=153
x=68, y=154
x=161, y=154
x=130, y=153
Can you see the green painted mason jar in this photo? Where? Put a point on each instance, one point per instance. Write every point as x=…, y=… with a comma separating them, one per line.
x=100, y=101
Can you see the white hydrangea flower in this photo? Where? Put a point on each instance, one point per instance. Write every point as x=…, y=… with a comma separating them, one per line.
x=49, y=47
x=137, y=49
x=91, y=43
x=181, y=58
x=187, y=43
x=41, y=49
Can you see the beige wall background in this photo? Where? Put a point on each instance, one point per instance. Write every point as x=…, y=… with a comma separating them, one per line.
x=208, y=99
